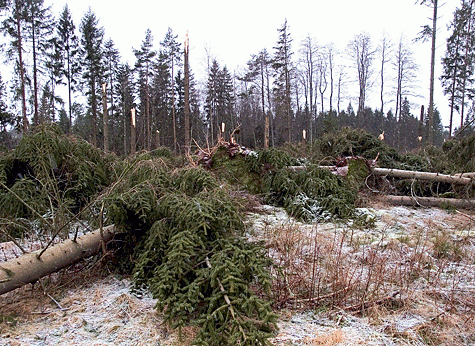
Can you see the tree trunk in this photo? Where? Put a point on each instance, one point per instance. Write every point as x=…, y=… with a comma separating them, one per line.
x=429, y=201
x=465, y=71
x=94, y=111
x=451, y=179
x=22, y=75
x=132, y=132
x=105, y=117
x=187, y=97
x=37, y=121
x=69, y=92
x=173, y=109
x=432, y=73
x=29, y=268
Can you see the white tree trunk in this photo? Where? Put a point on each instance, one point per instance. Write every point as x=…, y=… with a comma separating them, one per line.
x=451, y=179
x=429, y=201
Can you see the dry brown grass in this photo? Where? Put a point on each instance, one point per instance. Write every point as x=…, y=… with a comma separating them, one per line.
x=429, y=272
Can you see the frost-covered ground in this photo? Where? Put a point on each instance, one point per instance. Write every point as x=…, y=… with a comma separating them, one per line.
x=72, y=308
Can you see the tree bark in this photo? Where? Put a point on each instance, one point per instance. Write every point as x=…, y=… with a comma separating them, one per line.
x=105, y=117
x=187, y=97
x=451, y=179
x=22, y=71
x=429, y=201
x=432, y=73
x=29, y=268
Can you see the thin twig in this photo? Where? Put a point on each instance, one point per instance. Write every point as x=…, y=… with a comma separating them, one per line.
x=360, y=306
x=54, y=300
x=467, y=216
x=13, y=240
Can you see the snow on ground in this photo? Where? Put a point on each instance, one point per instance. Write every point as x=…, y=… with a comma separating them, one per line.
x=103, y=311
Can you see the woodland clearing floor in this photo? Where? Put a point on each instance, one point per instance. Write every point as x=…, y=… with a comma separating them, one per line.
x=86, y=306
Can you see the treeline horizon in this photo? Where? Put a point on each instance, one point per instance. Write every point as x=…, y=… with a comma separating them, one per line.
x=282, y=96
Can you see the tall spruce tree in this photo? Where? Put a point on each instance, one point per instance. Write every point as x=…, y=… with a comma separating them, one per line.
x=40, y=27
x=162, y=100
x=125, y=92
x=68, y=44
x=282, y=64
x=14, y=27
x=144, y=68
x=219, y=101
x=111, y=61
x=256, y=73
x=92, y=53
x=469, y=56
x=172, y=51
x=6, y=118
x=430, y=32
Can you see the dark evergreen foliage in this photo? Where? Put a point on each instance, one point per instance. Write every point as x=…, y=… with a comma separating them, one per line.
x=190, y=252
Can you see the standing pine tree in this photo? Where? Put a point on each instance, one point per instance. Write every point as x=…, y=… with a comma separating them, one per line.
x=282, y=65
x=125, y=92
x=92, y=50
x=68, y=45
x=426, y=33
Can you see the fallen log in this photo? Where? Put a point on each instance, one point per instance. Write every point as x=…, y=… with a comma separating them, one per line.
x=451, y=179
x=429, y=201
x=31, y=267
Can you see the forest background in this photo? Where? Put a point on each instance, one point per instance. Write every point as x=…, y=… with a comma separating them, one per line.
x=305, y=87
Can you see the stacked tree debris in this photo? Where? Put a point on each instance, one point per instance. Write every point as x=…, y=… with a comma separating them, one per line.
x=312, y=194
x=181, y=232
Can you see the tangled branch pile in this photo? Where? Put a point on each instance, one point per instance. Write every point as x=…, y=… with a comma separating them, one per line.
x=190, y=252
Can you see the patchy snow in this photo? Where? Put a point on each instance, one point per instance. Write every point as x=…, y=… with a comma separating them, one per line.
x=104, y=312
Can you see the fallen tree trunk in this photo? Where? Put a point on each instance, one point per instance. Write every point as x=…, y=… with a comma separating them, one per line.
x=451, y=179
x=429, y=201
x=31, y=267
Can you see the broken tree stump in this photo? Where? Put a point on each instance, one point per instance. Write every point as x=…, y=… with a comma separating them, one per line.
x=31, y=267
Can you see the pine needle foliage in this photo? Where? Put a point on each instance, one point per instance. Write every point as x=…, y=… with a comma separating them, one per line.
x=188, y=249
x=312, y=194
x=354, y=142
x=461, y=154
x=50, y=173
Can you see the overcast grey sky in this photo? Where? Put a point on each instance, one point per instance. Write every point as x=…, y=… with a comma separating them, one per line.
x=232, y=31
